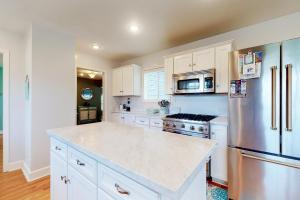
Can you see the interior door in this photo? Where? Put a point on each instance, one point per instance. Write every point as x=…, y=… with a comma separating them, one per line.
x=254, y=119
x=183, y=63
x=128, y=80
x=291, y=98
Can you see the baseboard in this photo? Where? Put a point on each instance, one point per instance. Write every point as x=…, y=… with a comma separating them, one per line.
x=36, y=174
x=14, y=165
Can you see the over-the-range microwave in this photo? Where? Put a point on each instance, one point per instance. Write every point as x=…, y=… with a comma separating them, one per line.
x=194, y=82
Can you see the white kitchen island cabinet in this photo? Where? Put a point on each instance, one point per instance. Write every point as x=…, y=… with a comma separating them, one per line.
x=110, y=161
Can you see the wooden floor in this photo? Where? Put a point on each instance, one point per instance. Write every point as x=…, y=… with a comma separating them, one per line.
x=13, y=185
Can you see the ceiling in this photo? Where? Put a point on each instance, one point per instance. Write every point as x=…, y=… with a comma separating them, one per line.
x=84, y=73
x=163, y=23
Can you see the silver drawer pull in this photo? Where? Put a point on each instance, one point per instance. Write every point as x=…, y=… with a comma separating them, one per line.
x=80, y=163
x=57, y=148
x=157, y=123
x=63, y=178
x=121, y=190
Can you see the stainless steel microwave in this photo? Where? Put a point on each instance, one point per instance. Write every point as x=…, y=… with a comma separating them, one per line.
x=194, y=82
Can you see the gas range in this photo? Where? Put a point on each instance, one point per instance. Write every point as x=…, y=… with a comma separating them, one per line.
x=188, y=124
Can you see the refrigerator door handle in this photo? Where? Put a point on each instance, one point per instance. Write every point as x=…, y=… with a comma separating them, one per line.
x=270, y=160
x=288, y=94
x=273, y=97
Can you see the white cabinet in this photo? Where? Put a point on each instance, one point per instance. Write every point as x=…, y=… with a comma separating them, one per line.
x=183, y=63
x=117, y=118
x=126, y=81
x=117, y=80
x=59, y=188
x=103, y=195
x=79, y=187
x=219, y=158
x=169, y=70
x=204, y=59
x=222, y=67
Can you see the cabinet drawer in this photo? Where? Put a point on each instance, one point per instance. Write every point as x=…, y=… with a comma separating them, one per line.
x=142, y=121
x=121, y=187
x=59, y=148
x=83, y=164
x=156, y=123
x=103, y=195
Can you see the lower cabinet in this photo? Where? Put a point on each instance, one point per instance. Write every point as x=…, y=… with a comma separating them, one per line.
x=103, y=195
x=219, y=158
x=59, y=170
x=79, y=187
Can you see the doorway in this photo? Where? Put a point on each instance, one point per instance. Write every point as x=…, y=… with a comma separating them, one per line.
x=90, y=100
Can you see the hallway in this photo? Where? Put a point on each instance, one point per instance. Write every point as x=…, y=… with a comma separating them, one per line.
x=13, y=185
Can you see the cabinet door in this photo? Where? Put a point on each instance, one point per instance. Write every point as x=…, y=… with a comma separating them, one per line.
x=59, y=189
x=79, y=187
x=129, y=119
x=117, y=82
x=219, y=158
x=204, y=59
x=169, y=70
x=183, y=63
x=117, y=117
x=128, y=78
x=222, y=67
x=103, y=195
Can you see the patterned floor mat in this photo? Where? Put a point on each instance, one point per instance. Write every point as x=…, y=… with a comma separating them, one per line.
x=216, y=193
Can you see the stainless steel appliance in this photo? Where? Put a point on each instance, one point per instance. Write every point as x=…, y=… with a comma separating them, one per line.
x=188, y=124
x=194, y=82
x=264, y=136
x=191, y=125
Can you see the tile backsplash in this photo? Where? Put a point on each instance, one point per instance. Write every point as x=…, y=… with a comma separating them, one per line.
x=195, y=104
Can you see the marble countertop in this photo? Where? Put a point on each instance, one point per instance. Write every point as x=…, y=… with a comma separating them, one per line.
x=222, y=120
x=163, y=161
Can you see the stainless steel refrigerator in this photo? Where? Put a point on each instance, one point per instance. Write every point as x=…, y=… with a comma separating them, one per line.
x=264, y=126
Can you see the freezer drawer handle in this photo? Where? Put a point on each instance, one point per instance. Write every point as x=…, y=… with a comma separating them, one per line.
x=270, y=161
x=273, y=97
x=288, y=109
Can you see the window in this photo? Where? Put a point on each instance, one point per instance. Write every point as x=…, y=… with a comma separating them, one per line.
x=154, y=85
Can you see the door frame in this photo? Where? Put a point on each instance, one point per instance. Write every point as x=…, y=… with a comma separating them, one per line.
x=6, y=108
x=104, y=89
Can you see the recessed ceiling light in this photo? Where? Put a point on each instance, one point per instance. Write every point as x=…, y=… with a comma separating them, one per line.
x=134, y=28
x=96, y=46
x=81, y=74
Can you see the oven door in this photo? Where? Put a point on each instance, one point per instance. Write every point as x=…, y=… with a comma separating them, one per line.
x=188, y=84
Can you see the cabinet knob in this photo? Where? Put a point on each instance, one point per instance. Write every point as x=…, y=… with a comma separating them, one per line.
x=67, y=181
x=63, y=178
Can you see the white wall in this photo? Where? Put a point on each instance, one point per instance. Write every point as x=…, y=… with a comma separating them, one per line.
x=278, y=29
x=14, y=43
x=96, y=63
x=53, y=92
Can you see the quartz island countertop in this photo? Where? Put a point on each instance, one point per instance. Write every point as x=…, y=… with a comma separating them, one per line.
x=164, y=161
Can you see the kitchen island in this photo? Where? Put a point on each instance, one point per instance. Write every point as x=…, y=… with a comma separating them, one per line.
x=110, y=161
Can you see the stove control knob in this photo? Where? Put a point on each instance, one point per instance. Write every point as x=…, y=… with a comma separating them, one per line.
x=201, y=129
x=167, y=124
x=182, y=126
x=174, y=125
x=192, y=128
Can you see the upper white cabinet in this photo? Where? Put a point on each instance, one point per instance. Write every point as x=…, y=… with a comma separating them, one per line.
x=204, y=59
x=219, y=158
x=126, y=81
x=169, y=70
x=183, y=63
x=222, y=67
x=117, y=80
x=216, y=57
